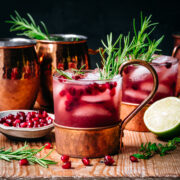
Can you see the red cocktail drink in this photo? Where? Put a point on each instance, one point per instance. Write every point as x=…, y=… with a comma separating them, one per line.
x=86, y=102
x=138, y=82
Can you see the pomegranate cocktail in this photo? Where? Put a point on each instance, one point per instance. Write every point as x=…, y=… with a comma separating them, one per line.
x=138, y=82
x=84, y=101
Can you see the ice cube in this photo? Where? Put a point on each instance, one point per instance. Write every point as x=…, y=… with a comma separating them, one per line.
x=97, y=98
x=91, y=110
x=57, y=88
x=161, y=88
x=139, y=74
x=139, y=95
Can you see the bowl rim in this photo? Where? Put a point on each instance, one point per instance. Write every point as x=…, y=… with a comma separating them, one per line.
x=25, y=129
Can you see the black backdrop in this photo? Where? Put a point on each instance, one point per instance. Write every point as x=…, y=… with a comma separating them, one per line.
x=96, y=18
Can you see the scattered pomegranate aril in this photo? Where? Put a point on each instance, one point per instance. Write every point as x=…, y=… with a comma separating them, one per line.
x=17, y=121
x=64, y=158
x=67, y=165
x=133, y=159
x=23, y=162
x=72, y=91
x=108, y=160
x=9, y=121
x=48, y=145
x=86, y=161
x=102, y=87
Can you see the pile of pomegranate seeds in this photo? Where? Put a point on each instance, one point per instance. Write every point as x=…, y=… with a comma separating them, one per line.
x=27, y=120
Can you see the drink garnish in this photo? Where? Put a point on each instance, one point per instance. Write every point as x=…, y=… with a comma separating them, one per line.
x=26, y=153
x=149, y=149
x=140, y=47
x=29, y=29
x=64, y=74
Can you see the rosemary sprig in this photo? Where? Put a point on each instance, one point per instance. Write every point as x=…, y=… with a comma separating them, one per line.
x=26, y=153
x=140, y=47
x=29, y=29
x=64, y=74
x=79, y=71
x=150, y=149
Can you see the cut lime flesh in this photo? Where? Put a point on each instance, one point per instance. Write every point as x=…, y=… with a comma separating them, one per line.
x=163, y=117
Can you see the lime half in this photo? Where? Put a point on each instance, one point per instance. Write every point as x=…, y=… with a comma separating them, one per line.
x=163, y=117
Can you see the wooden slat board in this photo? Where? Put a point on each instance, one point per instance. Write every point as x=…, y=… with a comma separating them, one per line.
x=167, y=166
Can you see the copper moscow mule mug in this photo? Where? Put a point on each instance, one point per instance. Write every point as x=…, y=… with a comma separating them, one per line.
x=95, y=140
x=19, y=73
x=68, y=51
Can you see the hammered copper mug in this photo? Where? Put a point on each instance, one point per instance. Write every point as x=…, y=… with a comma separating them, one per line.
x=67, y=51
x=19, y=73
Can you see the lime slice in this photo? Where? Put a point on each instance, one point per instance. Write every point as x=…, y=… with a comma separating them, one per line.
x=163, y=117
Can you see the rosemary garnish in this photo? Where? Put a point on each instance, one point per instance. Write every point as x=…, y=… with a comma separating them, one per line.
x=29, y=29
x=79, y=71
x=140, y=47
x=150, y=149
x=26, y=153
x=64, y=74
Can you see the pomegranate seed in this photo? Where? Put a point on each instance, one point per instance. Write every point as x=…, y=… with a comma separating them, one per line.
x=96, y=86
x=67, y=165
x=49, y=120
x=44, y=114
x=86, y=161
x=36, y=123
x=23, y=162
x=102, y=87
x=72, y=91
x=62, y=93
x=9, y=121
x=48, y=145
x=23, y=124
x=69, y=97
x=10, y=116
x=2, y=120
x=168, y=65
x=115, y=84
x=17, y=121
x=109, y=85
x=42, y=120
x=40, y=125
x=22, y=113
x=64, y=158
x=133, y=159
x=89, y=89
x=30, y=124
x=108, y=160
x=6, y=124
x=35, y=119
x=33, y=114
x=79, y=92
x=112, y=92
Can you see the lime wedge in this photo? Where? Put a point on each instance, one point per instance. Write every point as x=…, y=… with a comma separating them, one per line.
x=163, y=117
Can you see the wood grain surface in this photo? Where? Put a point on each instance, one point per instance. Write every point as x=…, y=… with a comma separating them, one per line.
x=162, y=167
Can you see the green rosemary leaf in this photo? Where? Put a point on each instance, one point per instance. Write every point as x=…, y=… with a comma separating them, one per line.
x=29, y=29
x=62, y=73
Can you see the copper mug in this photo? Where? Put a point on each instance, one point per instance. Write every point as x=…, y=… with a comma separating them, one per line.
x=19, y=73
x=67, y=51
x=99, y=132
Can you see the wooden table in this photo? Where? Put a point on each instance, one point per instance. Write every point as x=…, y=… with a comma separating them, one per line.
x=167, y=167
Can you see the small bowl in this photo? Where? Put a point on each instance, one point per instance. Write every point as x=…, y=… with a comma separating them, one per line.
x=24, y=133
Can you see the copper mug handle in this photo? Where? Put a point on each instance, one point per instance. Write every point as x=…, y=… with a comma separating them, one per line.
x=175, y=50
x=148, y=98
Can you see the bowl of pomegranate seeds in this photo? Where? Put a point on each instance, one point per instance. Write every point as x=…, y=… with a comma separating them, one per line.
x=25, y=124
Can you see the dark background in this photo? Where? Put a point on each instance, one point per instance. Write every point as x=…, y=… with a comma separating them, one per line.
x=96, y=18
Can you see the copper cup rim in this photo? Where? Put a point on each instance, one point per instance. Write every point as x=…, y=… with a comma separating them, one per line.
x=14, y=43
x=83, y=39
x=176, y=35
